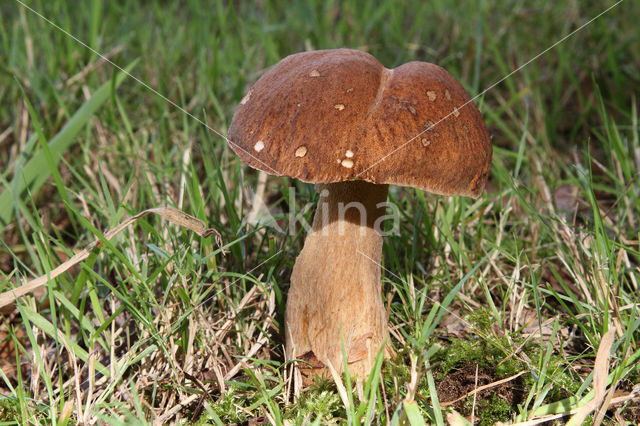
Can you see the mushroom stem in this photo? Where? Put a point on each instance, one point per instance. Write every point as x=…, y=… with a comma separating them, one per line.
x=335, y=284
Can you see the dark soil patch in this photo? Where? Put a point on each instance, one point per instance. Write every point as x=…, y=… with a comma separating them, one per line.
x=631, y=413
x=461, y=381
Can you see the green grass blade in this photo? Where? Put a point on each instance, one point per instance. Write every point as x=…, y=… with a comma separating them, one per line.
x=36, y=171
x=412, y=411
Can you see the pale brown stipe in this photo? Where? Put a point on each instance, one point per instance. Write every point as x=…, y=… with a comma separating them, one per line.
x=348, y=112
x=333, y=287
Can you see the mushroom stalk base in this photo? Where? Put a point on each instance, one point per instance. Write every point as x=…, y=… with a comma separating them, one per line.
x=335, y=294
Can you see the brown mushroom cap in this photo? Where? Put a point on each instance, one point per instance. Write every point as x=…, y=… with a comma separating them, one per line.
x=334, y=115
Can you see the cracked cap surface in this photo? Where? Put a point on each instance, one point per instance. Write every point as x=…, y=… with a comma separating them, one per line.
x=334, y=115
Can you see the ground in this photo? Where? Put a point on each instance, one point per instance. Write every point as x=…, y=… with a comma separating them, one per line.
x=530, y=291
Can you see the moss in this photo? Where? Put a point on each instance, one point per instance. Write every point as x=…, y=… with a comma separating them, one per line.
x=491, y=356
x=489, y=410
x=226, y=407
x=496, y=410
x=564, y=384
x=455, y=354
x=481, y=320
x=485, y=354
x=323, y=404
x=490, y=352
x=400, y=369
x=508, y=367
x=9, y=410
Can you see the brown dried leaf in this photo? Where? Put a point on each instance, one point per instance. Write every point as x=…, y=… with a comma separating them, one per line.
x=565, y=197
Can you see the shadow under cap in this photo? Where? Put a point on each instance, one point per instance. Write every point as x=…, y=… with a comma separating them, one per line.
x=342, y=201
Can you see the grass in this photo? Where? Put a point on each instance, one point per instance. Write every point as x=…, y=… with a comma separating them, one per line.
x=160, y=325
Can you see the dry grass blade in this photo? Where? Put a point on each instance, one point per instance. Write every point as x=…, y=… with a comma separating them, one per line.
x=412, y=387
x=5, y=134
x=168, y=213
x=342, y=391
x=634, y=394
x=600, y=372
x=456, y=419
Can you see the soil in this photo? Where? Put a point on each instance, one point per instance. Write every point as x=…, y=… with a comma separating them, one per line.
x=463, y=380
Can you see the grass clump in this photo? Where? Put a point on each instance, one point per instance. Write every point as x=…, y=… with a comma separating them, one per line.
x=122, y=335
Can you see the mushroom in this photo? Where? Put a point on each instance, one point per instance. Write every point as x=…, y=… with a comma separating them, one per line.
x=362, y=127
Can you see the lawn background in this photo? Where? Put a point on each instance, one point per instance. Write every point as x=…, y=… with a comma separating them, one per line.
x=161, y=326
